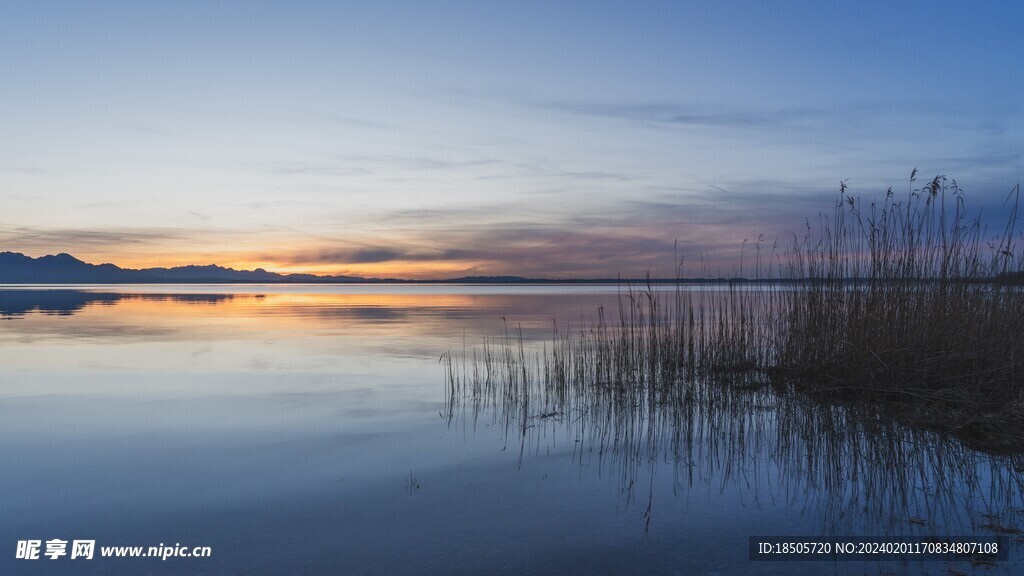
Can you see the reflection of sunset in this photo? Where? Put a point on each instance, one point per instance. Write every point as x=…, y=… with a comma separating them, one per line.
x=283, y=312
x=420, y=313
x=151, y=336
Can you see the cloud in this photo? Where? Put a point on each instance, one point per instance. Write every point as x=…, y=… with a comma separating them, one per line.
x=370, y=164
x=358, y=256
x=365, y=255
x=598, y=175
x=718, y=116
x=38, y=170
x=68, y=238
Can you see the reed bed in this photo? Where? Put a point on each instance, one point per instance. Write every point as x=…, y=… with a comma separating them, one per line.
x=911, y=307
x=908, y=308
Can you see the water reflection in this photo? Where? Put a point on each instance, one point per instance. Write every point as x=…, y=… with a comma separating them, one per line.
x=16, y=303
x=423, y=311
x=280, y=426
x=229, y=338
x=856, y=472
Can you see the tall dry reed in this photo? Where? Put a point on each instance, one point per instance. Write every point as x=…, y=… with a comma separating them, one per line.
x=909, y=307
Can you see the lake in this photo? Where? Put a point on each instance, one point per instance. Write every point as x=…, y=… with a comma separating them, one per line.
x=310, y=430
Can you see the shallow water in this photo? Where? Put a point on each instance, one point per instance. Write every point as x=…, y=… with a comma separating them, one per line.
x=305, y=429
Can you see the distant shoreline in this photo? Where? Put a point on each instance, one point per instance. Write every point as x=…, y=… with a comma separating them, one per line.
x=65, y=269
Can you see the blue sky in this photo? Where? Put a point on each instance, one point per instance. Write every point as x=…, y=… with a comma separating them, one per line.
x=434, y=139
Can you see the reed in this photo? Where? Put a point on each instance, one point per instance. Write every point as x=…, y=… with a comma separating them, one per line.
x=909, y=308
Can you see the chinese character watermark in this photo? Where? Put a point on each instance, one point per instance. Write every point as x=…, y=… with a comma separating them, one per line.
x=28, y=549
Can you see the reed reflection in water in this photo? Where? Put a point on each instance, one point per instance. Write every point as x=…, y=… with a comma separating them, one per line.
x=858, y=471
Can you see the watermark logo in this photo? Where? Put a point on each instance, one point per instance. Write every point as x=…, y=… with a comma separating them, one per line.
x=83, y=549
x=56, y=548
x=86, y=549
x=29, y=549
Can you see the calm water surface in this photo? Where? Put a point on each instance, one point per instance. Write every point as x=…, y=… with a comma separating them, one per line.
x=305, y=430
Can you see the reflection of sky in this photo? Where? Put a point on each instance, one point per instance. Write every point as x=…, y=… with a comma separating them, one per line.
x=60, y=301
x=280, y=426
x=67, y=341
x=538, y=138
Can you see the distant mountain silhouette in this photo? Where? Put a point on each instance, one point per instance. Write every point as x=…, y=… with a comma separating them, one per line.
x=64, y=268
x=16, y=268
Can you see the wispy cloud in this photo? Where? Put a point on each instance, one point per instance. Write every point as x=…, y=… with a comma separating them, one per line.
x=45, y=170
x=358, y=165
x=365, y=255
x=598, y=175
x=68, y=239
x=722, y=116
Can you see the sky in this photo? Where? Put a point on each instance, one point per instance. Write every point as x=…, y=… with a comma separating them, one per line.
x=442, y=139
